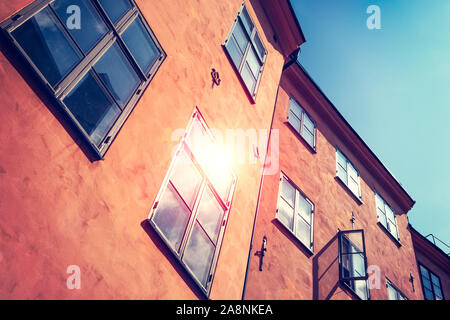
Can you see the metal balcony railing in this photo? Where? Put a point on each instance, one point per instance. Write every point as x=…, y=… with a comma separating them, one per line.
x=434, y=239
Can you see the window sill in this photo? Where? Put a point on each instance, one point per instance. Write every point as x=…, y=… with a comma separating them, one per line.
x=308, y=251
x=307, y=145
x=355, y=197
x=396, y=241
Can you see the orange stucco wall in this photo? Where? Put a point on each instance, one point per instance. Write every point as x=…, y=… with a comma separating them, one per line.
x=57, y=208
x=289, y=272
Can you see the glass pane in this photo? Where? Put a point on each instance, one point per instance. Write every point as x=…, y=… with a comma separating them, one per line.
x=424, y=272
x=288, y=192
x=295, y=108
x=199, y=254
x=259, y=46
x=309, y=137
x=240, y=37
x=210, y=215
x=115, y=8
x=390, y=214
x=303, y=207
x=285, y=214
x=426, y=283
x=248, y=78
x=352, y=242
x=117, y=74
x=353, y=186
x=435, y=280
x=380, y=202
x=341, y=160
x=392, y=229
x=360, y=287
x=90, y=29
x=140, y=44
x=342, y=173
x=294, y=121
x=171, y=217
x=45, y=43
x=428, y=294
x=92, y=108
x=308, y=124
x=392, y=293
x=234, y=52
x=352, y=173
x=253, y=62
x=186, y=178
x=303, y=231
x=359, y=268
x=245, y=18
x=382, y=218
x=437, y=290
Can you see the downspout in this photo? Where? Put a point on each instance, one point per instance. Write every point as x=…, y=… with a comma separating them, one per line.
x=292, y=59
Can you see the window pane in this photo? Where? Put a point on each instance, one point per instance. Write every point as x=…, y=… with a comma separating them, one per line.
x=342, y=173
x=186, y=178
x=240, y=37
x=285, y=214
x=45, y=43
x=360, y=287
x=390, y=214
x=295, y=108
x=382, y=218
x=435, y=280
x=380, y=202
x=353, y=186
x=428, y=294
x=309, y=137
x=115, y=8
x=352, y=173
x=424, y=272
x=253, y=62
x=259, y=46
x=359, y=269
x=140, y=44
x=92, y=108
x=117, y=74
x=308, y=124
x=341, y=160
x=91, y=29
x=234, y=52
x=294, y=121
x=199, y=254
x=426, y=283
x=248, y=78
x=245, y=17
x=171, y=217
x=288, y=192
x=392, y=228
x=303, y=231
x=210, y=215
x=437, y=290
x=303, y=207
x=392, y=293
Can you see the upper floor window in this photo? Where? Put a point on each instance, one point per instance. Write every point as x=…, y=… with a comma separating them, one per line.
x=353, y=262
x=393, y=292
x=386, y=216
x=431, y=284
x=348, y=174
x=95, y=57
x=192, y=206
x=295, y=211
x=247, y=51
x=302, y=123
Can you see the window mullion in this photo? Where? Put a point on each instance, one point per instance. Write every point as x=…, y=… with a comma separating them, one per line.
x=193, y=217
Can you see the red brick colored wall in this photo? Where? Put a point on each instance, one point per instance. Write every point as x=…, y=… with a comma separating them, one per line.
x=289, y=272
x=58, y=209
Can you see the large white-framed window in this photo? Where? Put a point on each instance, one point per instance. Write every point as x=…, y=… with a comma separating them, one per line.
x=386, y=216
x=296, y=212
x=347, y=173
x=192, y=207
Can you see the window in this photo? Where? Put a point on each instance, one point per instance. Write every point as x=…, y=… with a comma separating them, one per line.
x=94, y=57
x=295, y=212
x=302, y=123
x=191, y=209
x=247, y=51
x=431, y=284
x=393, y=292
x=353, y=262
x=348, y=174
x=386, y=216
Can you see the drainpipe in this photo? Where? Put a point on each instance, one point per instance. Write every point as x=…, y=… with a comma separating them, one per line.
x=292, y=59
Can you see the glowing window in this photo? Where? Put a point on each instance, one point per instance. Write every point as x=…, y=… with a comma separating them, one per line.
x=191, y=209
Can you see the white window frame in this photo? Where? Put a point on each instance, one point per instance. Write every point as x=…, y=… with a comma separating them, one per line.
x=384, y=220
x=349, y=166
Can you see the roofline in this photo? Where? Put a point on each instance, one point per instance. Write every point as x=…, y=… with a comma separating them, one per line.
x=356, y=134
x=291, y=8
x=422, y=237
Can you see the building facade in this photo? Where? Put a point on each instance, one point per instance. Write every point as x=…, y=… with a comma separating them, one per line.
x=177, y=150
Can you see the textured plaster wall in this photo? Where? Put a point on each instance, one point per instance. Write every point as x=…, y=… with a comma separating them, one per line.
x=57, y=208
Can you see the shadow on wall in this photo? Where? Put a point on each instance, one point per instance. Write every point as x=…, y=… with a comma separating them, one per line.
x=326, y=271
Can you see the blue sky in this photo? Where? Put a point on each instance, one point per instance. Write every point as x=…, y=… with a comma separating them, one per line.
x=393, y=86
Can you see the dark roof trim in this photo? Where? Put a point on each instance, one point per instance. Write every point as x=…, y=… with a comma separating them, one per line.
x=414, y=232
x=296, y=20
